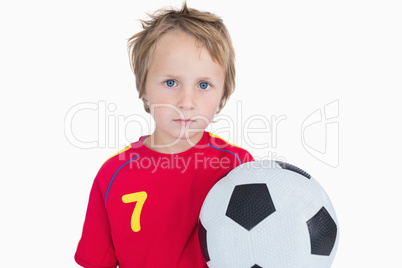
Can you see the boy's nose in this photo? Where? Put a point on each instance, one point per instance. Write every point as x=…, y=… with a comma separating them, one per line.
x=186, y=100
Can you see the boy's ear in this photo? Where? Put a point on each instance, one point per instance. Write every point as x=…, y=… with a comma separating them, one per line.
x=144, y=96
x=146, y=103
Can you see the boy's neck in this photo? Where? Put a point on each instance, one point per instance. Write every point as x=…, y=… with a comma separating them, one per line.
x=165, y=146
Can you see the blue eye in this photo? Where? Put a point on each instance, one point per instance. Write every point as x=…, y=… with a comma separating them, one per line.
x=204, y=85
x=170, y=83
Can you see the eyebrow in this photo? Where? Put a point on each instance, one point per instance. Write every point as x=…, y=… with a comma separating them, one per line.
x=177, y=76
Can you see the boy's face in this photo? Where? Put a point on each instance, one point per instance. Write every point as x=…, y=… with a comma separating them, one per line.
x=184, y=87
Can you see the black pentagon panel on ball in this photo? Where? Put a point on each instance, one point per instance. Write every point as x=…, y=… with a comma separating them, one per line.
x=256, y=266
x=322, y=229
x=202, y=237
x=250, y=204
x=293, y=168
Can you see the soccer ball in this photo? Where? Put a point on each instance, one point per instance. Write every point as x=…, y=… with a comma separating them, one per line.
x=268, y=214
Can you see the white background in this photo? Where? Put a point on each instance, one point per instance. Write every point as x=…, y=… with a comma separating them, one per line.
x=293, y=58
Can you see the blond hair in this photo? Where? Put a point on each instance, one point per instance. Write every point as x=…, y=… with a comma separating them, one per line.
x=205, y=27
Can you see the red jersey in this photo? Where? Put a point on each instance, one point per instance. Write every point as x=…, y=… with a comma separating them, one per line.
x=144, y=206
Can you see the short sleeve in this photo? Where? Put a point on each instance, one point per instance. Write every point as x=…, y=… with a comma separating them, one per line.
x=95, y=248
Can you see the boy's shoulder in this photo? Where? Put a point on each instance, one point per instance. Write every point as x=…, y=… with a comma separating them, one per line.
x=129, y=153
x=120, y=158
x=220, y=144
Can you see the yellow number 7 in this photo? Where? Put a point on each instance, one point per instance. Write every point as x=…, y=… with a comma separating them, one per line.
x=140, y=198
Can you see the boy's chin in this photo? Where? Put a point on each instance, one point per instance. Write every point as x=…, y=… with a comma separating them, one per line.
x=190, y=134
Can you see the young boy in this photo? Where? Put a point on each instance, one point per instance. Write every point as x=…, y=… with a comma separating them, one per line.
x=145, y=201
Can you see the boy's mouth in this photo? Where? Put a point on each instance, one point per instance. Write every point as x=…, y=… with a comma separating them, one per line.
x=184, y=122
